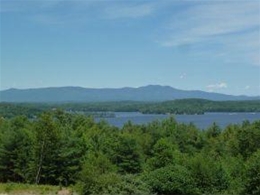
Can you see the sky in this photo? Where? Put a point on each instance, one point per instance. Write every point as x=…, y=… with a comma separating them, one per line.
x=192, y=45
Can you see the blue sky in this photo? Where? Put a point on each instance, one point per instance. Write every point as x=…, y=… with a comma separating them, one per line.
x=191, y=45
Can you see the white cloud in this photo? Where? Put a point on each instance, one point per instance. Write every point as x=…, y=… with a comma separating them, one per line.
x=247, y=87
x=183, y=75
x=216, y=86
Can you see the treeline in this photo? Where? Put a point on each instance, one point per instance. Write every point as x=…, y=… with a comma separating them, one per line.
x=163, y=157
x=10, y=110
x=200, y=106
x=183, y=106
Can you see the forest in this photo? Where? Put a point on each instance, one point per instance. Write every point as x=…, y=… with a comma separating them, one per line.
x=162, y=157
x=181, y=106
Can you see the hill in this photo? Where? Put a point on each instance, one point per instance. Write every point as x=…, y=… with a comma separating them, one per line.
x=106, y=109
x=149, y=93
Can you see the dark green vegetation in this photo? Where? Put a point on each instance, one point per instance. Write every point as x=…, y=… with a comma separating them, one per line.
x=59, y=148
x=200, y=106
x=184, y=106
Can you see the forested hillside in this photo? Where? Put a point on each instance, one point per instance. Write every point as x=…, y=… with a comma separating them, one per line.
x=182, y=106
x=165, y=157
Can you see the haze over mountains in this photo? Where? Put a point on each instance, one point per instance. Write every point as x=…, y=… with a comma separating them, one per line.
x=79, y=94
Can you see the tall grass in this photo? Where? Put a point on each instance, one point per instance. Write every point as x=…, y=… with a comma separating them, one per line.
x=22, y=189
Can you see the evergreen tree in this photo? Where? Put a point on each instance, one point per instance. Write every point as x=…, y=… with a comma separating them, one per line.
x=46, y=164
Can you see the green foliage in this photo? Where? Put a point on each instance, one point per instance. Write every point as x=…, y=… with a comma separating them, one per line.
x=97, y=174
x=131, y=184
x=248, y=139
x=113, y=183
x=235, y=170
x=15, y=150
x=173, y=179
x=252, y=185
x=209, y=174
x=163, y=157
x=46, y=146
x=213, y=131
x=163, y=154
x=10, y=110
x=127, y=155
x=101, y=109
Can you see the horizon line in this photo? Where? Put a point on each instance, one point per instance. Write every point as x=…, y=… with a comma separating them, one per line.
x=134, y=87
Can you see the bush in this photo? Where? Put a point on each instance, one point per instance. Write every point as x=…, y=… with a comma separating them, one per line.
x=174, y=179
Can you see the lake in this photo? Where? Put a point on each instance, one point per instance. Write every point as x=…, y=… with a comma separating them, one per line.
x=201, y=121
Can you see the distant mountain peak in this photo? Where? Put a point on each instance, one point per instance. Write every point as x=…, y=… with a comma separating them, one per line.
x=80, y=94
x=157, y=87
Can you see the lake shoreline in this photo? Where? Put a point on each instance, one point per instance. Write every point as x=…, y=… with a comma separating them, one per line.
x=203, y=121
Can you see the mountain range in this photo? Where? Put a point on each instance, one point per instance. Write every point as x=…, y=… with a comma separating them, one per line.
x=79, y=94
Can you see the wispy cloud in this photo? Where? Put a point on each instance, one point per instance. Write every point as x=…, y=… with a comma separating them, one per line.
x=229, y=30
x=113, y=9
x=202, y=21
x=213, y=87
x=52, y=12
x=233, y=25
x=27, y=5
x=129, y=11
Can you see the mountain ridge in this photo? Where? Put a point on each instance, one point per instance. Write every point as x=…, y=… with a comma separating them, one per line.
x=81, y=94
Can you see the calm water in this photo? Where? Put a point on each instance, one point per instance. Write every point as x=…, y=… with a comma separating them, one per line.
x=201, y=121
